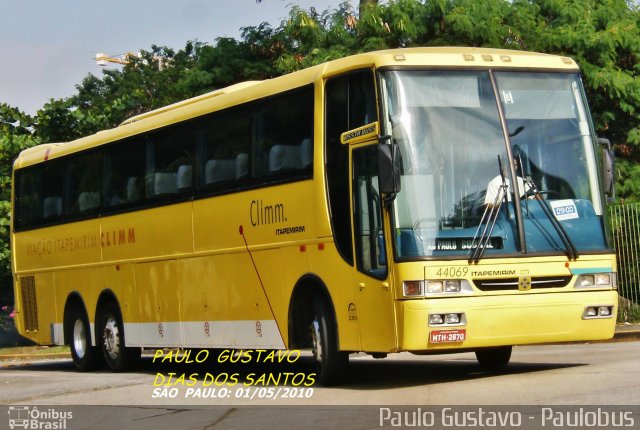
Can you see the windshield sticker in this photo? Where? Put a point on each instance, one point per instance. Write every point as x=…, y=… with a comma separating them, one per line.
x=507, y=97
x=564, y=209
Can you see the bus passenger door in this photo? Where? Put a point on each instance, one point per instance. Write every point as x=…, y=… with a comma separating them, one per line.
x=375, y=295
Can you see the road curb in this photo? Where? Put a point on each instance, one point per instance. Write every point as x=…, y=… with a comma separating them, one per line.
x=627, y=335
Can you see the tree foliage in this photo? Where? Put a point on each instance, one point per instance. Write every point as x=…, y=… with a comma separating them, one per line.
x=16, y=134
x=603, y=36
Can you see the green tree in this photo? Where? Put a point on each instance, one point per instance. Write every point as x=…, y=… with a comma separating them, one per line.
x=149, y=81
x=15, y=135
x=363, y=5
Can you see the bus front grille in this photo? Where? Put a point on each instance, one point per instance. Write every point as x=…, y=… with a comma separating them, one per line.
x=29, y=303
x=505, y=284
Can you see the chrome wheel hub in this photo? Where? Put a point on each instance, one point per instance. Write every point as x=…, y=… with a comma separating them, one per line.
x=79, y=339
x=316, y=346
x=111, y=338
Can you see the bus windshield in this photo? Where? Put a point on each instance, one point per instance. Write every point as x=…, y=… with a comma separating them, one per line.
x=456, y=163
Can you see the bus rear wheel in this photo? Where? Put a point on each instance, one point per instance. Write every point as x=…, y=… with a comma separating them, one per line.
x=85, y=356
x=330, y=363
x=112, y=343
x=494, y=358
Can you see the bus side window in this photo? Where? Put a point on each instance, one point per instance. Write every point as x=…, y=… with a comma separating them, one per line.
x=124, y=166
x=223, y=149
x=83, y=185
x=52, y=190
x=284, y=126
x=52, y=207
x=29, y=205
x=170, y=160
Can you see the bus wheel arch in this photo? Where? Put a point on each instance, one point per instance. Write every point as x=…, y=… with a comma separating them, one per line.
x=110, y=334
x=77, y=333
x=301, y=308
x=313, y=324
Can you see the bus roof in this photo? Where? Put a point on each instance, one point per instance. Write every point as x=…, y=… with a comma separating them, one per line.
x=207, y=96
x=455, y=57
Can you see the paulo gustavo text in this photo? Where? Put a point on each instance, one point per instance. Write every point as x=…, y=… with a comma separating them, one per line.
x=209, y=379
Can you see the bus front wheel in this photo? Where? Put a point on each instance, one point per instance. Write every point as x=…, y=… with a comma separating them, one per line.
x=111, y=333
x=85, y=356
x=494, y=358
x=330, y=363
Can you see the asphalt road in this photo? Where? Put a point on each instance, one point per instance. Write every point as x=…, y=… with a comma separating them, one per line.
x=573, y=374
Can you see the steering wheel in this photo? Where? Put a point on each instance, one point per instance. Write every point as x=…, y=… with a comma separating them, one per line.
x=545, y=194
x=549, y=193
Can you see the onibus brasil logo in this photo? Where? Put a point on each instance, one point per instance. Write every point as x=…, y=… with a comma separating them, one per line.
x=30, y=417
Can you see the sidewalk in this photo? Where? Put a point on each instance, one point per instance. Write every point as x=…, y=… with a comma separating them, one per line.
x=627, y=331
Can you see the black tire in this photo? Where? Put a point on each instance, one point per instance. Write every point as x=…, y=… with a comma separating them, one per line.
x=78, y=334
x=330, y=363
x=110, y=335
x=494, y=358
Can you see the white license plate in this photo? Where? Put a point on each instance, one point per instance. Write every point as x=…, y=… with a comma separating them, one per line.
x=447, y=336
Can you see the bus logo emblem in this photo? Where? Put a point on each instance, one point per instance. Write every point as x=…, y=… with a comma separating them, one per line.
x=524, y=283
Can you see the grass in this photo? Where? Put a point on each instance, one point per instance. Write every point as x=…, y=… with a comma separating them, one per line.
x=628, y=311
x=35, y=350
x=630, y=315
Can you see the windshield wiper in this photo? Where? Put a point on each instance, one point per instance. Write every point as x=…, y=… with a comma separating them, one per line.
x=570, y=249
x=489, y=217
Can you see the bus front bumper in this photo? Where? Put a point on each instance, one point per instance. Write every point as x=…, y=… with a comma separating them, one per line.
x=519, y=319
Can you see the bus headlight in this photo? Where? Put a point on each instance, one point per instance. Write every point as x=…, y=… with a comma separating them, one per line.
x=604, y=311
x=452, y=319
x=447, y=319
x=435, y=288
x=585, y=281
x=435, y=319
x=452, y=286
x=595, y=280
x=597, y=312
x=440, y=287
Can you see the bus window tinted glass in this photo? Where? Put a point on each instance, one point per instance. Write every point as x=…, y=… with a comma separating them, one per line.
x=52, y=191
x=124, y=174
x=170, y=161
x=258, y=143
x=28, y=207
x=83, y=184
x=226, y=143
x=284, y=135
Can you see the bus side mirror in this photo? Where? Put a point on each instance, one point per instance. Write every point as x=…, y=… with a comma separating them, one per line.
x=390, y=166
x=608, y=162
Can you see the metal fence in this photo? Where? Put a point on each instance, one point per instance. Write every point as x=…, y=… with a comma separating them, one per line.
x=625, y=225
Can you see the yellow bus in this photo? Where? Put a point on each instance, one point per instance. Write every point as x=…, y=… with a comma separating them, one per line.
x=426, y=200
